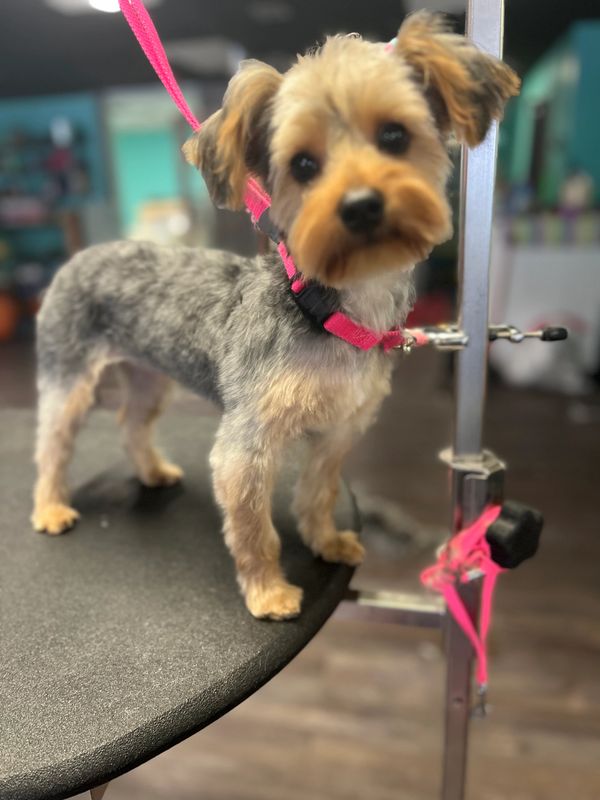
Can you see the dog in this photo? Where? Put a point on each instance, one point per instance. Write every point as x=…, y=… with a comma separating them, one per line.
x=352, y=144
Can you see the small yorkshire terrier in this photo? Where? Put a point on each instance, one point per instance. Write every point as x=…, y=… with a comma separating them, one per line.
x=351, y=143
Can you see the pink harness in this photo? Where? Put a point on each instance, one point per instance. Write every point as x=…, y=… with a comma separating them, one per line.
x=256, y=200
x=467, y=554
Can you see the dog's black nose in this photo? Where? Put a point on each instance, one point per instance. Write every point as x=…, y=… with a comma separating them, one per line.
x=361, y=210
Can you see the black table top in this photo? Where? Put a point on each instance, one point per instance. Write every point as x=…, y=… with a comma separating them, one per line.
x=128, y=634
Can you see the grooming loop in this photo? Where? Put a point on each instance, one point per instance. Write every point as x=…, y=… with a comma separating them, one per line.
x=466, y=557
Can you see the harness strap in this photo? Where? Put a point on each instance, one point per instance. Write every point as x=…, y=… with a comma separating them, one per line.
x=363, y=338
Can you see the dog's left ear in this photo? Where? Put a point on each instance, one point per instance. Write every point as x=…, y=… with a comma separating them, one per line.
x=233, y=142
x=467, y=89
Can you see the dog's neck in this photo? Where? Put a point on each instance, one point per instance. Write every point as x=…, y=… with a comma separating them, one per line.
x=379, y=303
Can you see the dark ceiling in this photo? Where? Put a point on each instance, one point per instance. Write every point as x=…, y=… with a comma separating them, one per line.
x=43, y=51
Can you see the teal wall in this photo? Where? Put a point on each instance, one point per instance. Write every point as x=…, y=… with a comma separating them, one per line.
x=566, y=78
x=550, y=81
x=148, y=165
x=145, y=167
x=584, y=145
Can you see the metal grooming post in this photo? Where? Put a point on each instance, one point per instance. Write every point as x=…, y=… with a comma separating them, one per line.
x=477, y=475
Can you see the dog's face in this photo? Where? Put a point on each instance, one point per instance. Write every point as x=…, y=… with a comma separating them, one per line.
x=351, y=144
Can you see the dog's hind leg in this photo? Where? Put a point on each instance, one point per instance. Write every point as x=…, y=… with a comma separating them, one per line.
x=62, y=407
x=146, y=394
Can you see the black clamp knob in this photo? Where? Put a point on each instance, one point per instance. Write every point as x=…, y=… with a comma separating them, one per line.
x=516, y=335
x=515, y=535
x=554, y=334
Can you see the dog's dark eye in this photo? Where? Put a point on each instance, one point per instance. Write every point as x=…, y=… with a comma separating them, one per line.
x=393, y=138
x=304, y=167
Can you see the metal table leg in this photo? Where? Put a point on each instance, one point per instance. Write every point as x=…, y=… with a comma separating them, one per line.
x=99, y=792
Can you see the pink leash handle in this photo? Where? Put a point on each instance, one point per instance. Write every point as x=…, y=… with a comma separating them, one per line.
x=468, y=551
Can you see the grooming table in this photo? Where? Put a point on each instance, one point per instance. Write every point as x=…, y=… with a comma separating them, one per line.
x=128, y=634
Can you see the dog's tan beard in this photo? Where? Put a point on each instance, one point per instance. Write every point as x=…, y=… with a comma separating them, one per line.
x=417, y=217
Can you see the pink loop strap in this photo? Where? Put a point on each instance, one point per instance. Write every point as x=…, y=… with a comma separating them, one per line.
x=466, y=552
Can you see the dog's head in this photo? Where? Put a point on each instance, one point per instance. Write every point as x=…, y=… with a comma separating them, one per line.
x=351, y=143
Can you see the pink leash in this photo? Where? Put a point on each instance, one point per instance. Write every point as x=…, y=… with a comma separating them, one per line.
x=466, y=556
x=256, y=200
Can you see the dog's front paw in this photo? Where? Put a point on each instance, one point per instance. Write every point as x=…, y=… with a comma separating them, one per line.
x=277, y=601
x=163, y=474
x=345, y=548
x=54, y=518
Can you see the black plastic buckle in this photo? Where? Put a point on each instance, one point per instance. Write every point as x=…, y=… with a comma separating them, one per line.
x=316, y=302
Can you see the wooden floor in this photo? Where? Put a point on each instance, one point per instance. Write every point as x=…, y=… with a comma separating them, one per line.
x=358, y=714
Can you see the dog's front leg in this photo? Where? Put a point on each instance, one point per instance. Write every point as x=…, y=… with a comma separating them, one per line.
x=316, y=494
x=243, y=474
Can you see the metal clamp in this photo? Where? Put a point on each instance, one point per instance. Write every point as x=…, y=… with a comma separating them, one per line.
x=449, y=336
x=516, y=336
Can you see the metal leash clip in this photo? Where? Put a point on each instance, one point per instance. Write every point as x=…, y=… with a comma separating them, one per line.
x=407, y=343
x=444, y=337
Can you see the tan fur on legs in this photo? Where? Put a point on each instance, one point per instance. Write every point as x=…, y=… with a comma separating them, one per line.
x=243, y=481
x=318, y=486
x=146, y=396
x=315, y=499
x=61, y=413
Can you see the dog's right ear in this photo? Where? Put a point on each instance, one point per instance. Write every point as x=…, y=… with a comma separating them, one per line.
x=234, y=141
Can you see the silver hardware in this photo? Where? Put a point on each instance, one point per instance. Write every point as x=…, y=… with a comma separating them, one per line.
x=450, y=337
x=469, y=490
x=444, y=337
x=408, y=343
x=484, y=464
x=447, y=338
x=508, y=332
x=514, y=334
x=481, y=708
